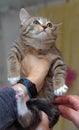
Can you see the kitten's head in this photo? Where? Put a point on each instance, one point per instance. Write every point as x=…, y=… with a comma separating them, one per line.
x=37, y=27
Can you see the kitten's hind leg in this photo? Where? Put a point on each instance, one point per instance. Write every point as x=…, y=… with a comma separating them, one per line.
x=23, y=113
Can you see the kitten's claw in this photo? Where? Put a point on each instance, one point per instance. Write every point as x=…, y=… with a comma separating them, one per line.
x=62, y=90
x=13, y=80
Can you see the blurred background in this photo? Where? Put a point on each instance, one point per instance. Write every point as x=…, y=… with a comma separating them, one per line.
x=59, y=11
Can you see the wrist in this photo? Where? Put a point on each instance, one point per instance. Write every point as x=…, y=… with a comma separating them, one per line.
x=30, y=87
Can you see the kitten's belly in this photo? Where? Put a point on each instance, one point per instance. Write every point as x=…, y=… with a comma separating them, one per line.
x=41, y=59
x=35, y=63
x=45, y=57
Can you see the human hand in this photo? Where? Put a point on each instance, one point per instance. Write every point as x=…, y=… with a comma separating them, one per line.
x=44, y=124
x=69, y=108
x=35, y=69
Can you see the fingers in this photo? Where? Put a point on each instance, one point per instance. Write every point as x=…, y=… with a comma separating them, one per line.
x=69, y=108
x=70, y=114
x=72, y=101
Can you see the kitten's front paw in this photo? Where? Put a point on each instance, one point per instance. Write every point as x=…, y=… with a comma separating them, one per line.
x=13, y=80
x=62, y=90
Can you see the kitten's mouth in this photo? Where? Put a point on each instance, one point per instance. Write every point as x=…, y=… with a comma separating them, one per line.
x=43, y=31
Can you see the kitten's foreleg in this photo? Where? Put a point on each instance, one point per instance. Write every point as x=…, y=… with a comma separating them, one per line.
x=13, y=67
x=60, y=91
x=59, y=73
x=14, y=80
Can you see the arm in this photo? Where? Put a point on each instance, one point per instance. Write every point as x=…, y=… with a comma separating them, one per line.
x=36, y=74
x=69, y=108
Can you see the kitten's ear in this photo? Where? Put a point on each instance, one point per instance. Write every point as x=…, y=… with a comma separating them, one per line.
x=57, y=25
x=24, y=16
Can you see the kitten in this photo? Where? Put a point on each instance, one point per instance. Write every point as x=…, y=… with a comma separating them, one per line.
x=38, y=38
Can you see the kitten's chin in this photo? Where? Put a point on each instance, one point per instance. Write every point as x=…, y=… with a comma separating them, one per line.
x=41, y=36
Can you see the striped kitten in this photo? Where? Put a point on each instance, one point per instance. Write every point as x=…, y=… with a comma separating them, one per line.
x=38, y=37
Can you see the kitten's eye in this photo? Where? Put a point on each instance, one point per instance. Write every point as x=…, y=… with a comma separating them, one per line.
x=49, y=25
x=36, y=22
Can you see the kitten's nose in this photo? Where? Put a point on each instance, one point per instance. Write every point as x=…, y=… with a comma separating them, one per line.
x=44, y=27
